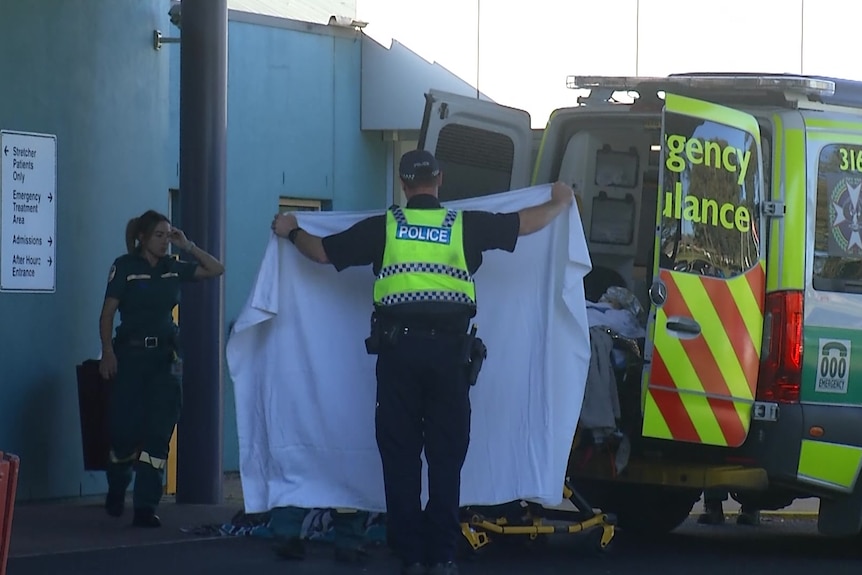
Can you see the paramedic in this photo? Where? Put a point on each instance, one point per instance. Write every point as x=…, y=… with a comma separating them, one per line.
x=144, y=285
x=424, y=257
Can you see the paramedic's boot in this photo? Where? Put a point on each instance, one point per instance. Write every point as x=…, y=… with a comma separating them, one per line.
x=713, y=514
x=748, y=517
x=349, y=528
x=146, y=518
x=115, y=503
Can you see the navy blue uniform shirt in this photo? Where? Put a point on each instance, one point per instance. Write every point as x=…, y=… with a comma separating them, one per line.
x=363, y=243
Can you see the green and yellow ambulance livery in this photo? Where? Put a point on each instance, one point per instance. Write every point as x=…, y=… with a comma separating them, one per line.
x=730, y=205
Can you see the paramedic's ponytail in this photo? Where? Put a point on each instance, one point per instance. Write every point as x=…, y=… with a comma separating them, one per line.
x=142, y=228
x=131, y=235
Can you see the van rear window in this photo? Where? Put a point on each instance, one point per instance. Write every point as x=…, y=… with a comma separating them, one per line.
x=838, y=221
x=475, y=162
x=710, y=190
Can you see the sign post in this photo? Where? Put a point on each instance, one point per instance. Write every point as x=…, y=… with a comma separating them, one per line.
x=28, y=212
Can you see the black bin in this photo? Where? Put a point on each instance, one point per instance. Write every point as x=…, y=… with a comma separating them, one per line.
x=94, y=395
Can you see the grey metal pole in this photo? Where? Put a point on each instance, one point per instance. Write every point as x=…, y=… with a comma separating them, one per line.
x=203, y=127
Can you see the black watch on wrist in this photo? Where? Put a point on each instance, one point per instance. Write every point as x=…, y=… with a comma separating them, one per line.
x=291, y=235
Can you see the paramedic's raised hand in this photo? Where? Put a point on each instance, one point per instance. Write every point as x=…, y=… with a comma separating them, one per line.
x=562, y=194
x=283, y=224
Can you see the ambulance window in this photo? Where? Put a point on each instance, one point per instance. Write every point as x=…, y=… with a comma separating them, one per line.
x=475, y=162
x=708, y=199
x=838, y=219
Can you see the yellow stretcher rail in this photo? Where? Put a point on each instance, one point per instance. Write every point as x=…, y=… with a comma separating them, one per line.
x=477, y=528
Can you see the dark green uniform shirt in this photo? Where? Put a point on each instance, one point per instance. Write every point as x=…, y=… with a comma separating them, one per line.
x=147, y=294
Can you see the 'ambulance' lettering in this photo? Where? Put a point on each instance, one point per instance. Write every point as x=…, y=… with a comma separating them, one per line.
x=423, y=234
x=705, y=211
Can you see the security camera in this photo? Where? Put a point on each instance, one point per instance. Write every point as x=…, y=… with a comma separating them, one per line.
x=176, y=13
x=346, y=22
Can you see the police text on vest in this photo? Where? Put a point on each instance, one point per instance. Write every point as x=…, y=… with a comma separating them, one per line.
x=423, y=234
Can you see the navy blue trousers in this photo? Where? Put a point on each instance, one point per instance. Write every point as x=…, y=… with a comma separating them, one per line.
x=423, y=401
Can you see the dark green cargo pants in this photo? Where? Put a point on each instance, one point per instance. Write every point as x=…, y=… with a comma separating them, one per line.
x=145, y=407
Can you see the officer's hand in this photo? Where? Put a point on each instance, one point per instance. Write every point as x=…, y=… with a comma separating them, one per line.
x=178, y=238
x=108, y=365
x=562, y=194
x=282, y=224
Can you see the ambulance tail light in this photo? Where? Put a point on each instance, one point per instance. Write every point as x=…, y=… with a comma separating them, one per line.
x=781, y=365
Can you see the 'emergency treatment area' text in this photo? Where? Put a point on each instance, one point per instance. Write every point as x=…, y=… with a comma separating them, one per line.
x=680, y=151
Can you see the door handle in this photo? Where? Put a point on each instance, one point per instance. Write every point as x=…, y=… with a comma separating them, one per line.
x=683, y=327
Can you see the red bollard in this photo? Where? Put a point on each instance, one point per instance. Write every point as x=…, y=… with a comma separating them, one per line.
x=8, y=485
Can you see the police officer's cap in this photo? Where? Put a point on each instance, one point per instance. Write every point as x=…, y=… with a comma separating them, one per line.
x=418, y=165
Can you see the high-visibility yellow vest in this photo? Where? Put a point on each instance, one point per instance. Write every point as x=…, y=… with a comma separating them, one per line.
x=424, y=260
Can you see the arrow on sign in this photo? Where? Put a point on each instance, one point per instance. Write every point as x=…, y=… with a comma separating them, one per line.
x=50, y=261
x=50, y=241
x=6, y=151
x=50, y=197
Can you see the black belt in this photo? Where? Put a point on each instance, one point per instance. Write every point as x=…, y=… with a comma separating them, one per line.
x=149, y=342
x=427, y=330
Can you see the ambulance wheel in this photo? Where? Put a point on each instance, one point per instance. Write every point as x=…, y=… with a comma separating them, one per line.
x=641, y=510
x=651, y=510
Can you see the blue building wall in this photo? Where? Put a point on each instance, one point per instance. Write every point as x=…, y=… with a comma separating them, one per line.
x=293, y=131
x=86, y=71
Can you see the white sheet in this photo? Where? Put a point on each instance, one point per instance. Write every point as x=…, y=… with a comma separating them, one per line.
x=305, y=388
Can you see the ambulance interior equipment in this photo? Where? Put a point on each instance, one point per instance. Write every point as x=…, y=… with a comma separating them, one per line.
x=609, y=168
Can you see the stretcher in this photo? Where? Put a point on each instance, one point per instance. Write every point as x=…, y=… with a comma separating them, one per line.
x=532, y=522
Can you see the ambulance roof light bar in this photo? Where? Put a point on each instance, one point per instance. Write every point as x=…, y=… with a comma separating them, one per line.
x=810, y=87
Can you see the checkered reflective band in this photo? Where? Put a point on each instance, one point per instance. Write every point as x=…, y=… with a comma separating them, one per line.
x=419, y=296
x=399, y=216
x=442, y=269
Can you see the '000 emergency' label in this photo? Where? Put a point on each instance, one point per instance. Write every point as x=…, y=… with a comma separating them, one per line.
x=833, y=366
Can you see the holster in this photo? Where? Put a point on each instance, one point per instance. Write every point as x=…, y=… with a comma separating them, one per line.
x=372, y=342
x=475, y=353
x=380, y=335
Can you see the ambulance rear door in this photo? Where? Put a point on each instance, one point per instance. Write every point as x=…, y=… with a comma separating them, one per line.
x=707, y=295
x=482, y=147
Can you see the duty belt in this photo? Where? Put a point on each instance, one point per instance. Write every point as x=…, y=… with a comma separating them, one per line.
x=149, y=342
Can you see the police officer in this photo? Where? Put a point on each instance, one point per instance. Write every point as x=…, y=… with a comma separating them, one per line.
x=144, y=285
x=424, y=257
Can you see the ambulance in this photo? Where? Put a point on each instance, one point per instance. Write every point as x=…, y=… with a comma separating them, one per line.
x=729, y=206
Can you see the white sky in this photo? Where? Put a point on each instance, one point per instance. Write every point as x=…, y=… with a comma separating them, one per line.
x=527, y=48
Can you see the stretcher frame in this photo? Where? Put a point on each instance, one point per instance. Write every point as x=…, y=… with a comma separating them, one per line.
x=480, y=530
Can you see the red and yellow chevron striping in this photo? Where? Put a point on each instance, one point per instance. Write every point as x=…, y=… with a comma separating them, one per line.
x=701, y=388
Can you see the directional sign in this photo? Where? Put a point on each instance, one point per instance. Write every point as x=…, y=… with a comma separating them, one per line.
x=28, y=212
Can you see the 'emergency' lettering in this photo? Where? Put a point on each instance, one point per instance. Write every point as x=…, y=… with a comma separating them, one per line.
x=423, y=234
x=709, y=153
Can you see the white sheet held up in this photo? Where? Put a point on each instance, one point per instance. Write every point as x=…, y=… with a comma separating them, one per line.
x=305, y=388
